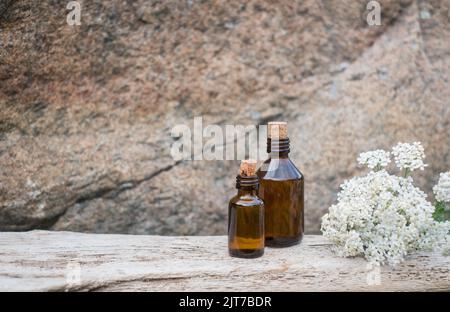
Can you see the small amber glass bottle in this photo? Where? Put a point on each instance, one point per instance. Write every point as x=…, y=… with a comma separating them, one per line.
x=246, y=215
x=282, y=190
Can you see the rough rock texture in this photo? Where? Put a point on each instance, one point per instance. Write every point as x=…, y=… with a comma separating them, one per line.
x=86, y=111
x=64, y=261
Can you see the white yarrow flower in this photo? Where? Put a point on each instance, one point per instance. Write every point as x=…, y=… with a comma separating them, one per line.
x=377, y=159
x=409, y=156
x=383, y=217
x=442, y=189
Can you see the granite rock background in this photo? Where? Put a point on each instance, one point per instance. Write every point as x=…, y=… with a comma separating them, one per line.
x=86, y=111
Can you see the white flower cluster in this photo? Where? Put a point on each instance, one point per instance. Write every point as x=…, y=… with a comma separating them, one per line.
x=382, y=217
x=442, y=189
x=409, y=156
x=375, y=159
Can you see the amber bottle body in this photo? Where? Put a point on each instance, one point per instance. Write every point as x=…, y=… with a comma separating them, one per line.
x=246, y=221
x=282, y=190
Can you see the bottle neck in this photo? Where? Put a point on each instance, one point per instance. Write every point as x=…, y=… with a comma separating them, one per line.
x=278, y=148
x=247, y=185
x=245, y=191
x=278, y=155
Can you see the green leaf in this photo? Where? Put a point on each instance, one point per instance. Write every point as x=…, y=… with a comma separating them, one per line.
x=440, y=212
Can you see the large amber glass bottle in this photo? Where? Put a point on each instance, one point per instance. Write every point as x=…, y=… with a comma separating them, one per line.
x=282, y=190
x=246, y=216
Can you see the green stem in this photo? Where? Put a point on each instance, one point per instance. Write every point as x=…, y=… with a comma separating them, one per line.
x=407, y=172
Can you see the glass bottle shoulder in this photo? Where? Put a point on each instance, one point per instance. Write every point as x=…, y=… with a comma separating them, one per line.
x=246, y=200
x=279, y=169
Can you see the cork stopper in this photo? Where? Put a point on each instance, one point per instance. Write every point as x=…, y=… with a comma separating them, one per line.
x=248, y=168
x=277, y=130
